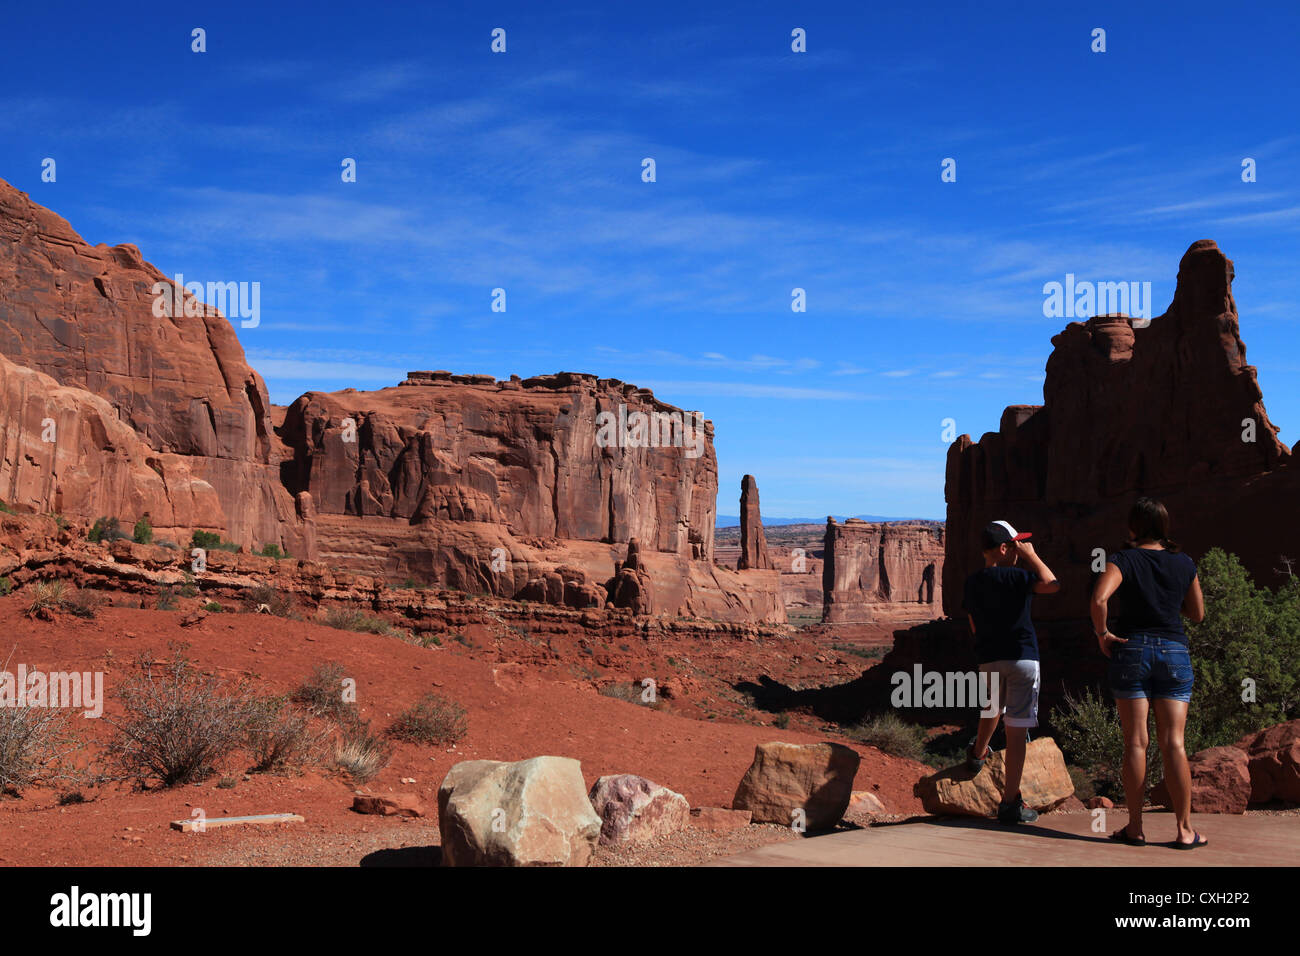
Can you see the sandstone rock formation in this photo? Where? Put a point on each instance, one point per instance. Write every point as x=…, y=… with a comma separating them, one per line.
x=880, y=563
x=84, y=315
x=1220, y=781
x=1167, y=410
x=529, y=813
x=67, y=451
x=753, y=545
x=632, y=809
x=786, y=778
x=454, y=480
x=1274, y=763
x=631, y=587
x=1045, y=784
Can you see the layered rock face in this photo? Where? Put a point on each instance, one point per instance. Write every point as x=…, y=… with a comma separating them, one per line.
x=529, y=455
x=1171, y=410
x=65, y=450
x=870, y=563
x=85, y=316
x=753, y=545
x=460, y=481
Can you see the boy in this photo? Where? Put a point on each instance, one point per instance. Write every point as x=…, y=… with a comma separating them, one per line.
x=997, y=601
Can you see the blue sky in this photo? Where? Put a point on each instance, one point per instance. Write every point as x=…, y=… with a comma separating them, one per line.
x=775, y=170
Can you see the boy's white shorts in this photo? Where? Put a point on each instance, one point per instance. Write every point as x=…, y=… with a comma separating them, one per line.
x=1017, y=690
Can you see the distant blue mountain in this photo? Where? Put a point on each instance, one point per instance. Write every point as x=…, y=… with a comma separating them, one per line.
x=732, y=521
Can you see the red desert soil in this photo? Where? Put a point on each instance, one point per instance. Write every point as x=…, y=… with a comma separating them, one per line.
x=514, y=711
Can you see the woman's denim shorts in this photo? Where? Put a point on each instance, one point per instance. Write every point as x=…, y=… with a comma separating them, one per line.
x=1150, y=667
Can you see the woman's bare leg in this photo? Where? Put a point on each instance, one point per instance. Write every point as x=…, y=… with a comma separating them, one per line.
x=1171, y=718
x=1133, y=718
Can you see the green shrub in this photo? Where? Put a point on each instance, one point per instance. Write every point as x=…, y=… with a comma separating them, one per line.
x=1250, y=634
x=211, y=541
x=143, y=532
x=213, y=607
x=433, y=720
x=272, y=551
x=891, y=734
x=5, y=509
x=105, y=531
x=6, y=585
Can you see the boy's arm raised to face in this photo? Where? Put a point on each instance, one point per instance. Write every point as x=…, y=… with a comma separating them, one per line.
x=1046, y=583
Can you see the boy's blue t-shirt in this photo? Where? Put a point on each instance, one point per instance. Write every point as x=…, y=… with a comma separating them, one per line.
x=998, y=600
x=1150, y=596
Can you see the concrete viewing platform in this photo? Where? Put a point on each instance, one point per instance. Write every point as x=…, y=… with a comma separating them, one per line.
x=1058, y=839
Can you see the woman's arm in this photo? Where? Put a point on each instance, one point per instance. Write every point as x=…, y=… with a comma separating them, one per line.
x=1106, y=586
x=1194, y=603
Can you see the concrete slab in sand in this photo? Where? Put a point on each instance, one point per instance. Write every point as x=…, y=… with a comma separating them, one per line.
x=1061, y=839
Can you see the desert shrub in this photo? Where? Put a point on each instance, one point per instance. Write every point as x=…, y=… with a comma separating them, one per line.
x=169, y=545
x=891, y=734
x=632, y=693
x=1088, y=731
x=166, y=598
x=83, y=602
x=6, y=585
x=46, y=595
x=189, y=588
x=350, y=619
x=142, y=533
x=213, y=607
x=433, y=720
x=60, y=521
x=276, y=602
x=179, y=724
x=272, y=551
x=71, y=797
x=5, y=509
x=106, y=531
x=360, y=751
x=279, y=735
x=35, y=743
x=322, y=692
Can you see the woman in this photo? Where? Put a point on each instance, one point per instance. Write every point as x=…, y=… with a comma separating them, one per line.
x=1149, y=663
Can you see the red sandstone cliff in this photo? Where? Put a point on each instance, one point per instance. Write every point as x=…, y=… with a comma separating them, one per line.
x=460, y=480
x=84, y=315
x=1157, y=411
x=887, y=563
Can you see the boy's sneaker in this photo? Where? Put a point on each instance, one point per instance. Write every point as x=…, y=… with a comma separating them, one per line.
x=1016, y=812
x=975, y=764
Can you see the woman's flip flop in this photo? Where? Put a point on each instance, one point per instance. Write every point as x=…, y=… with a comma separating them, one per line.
x=1197, y=840
x=1121, y=836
